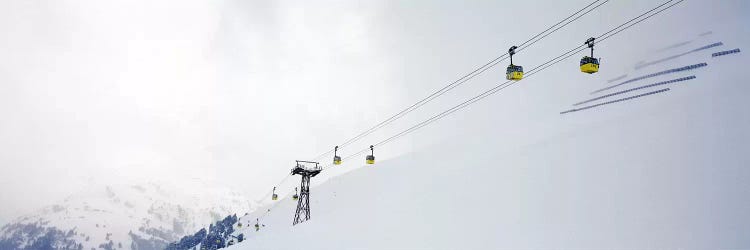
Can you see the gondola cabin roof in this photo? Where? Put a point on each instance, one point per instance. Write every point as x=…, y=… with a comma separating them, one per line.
x=588, y=59
x=514, y=68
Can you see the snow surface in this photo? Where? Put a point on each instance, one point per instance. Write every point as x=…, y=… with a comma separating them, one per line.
x=578, y=189
x=663, y=171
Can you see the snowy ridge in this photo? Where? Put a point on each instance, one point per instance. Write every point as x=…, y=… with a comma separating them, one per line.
x=129, y=216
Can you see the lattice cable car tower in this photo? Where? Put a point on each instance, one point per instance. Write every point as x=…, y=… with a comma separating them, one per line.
x=303, y=204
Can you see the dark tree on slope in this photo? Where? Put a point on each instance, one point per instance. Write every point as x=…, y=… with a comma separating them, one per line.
x=35, y=236
x=107, y=246
x=216, y=237
x=188, y=242
x=213, y=242
x=46, y=242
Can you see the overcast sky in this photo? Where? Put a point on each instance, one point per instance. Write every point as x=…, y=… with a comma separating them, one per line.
x=234, y=91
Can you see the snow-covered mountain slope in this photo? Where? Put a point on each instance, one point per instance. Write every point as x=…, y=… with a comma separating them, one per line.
x=577, y=189
x=128, y=216
x=668, y=170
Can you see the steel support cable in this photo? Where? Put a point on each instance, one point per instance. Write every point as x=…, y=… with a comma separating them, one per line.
x=641, y=15
x=449, y=87
x=473, y=99
x=344, y=159
x=637, y=22
x=268, y=211
x=470, y=75
x=618, y=27
x=535, y=70
x=506, y=84
x=467, y=102
x=277, y=185
x=522, y=48
x=461, y=80
x=548, y=64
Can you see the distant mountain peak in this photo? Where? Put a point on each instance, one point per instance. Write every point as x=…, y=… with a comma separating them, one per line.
x=132, y=216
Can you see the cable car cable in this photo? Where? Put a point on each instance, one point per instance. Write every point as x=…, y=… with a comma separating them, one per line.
x=456, y=83
x=522, y=48
x=537, y=69
x=467, y=77
x=561, y=21
x=502, y=86
x=277, y=185
x=620, y=26
x=491, y=91
x=464, y=78
x=548, y=64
